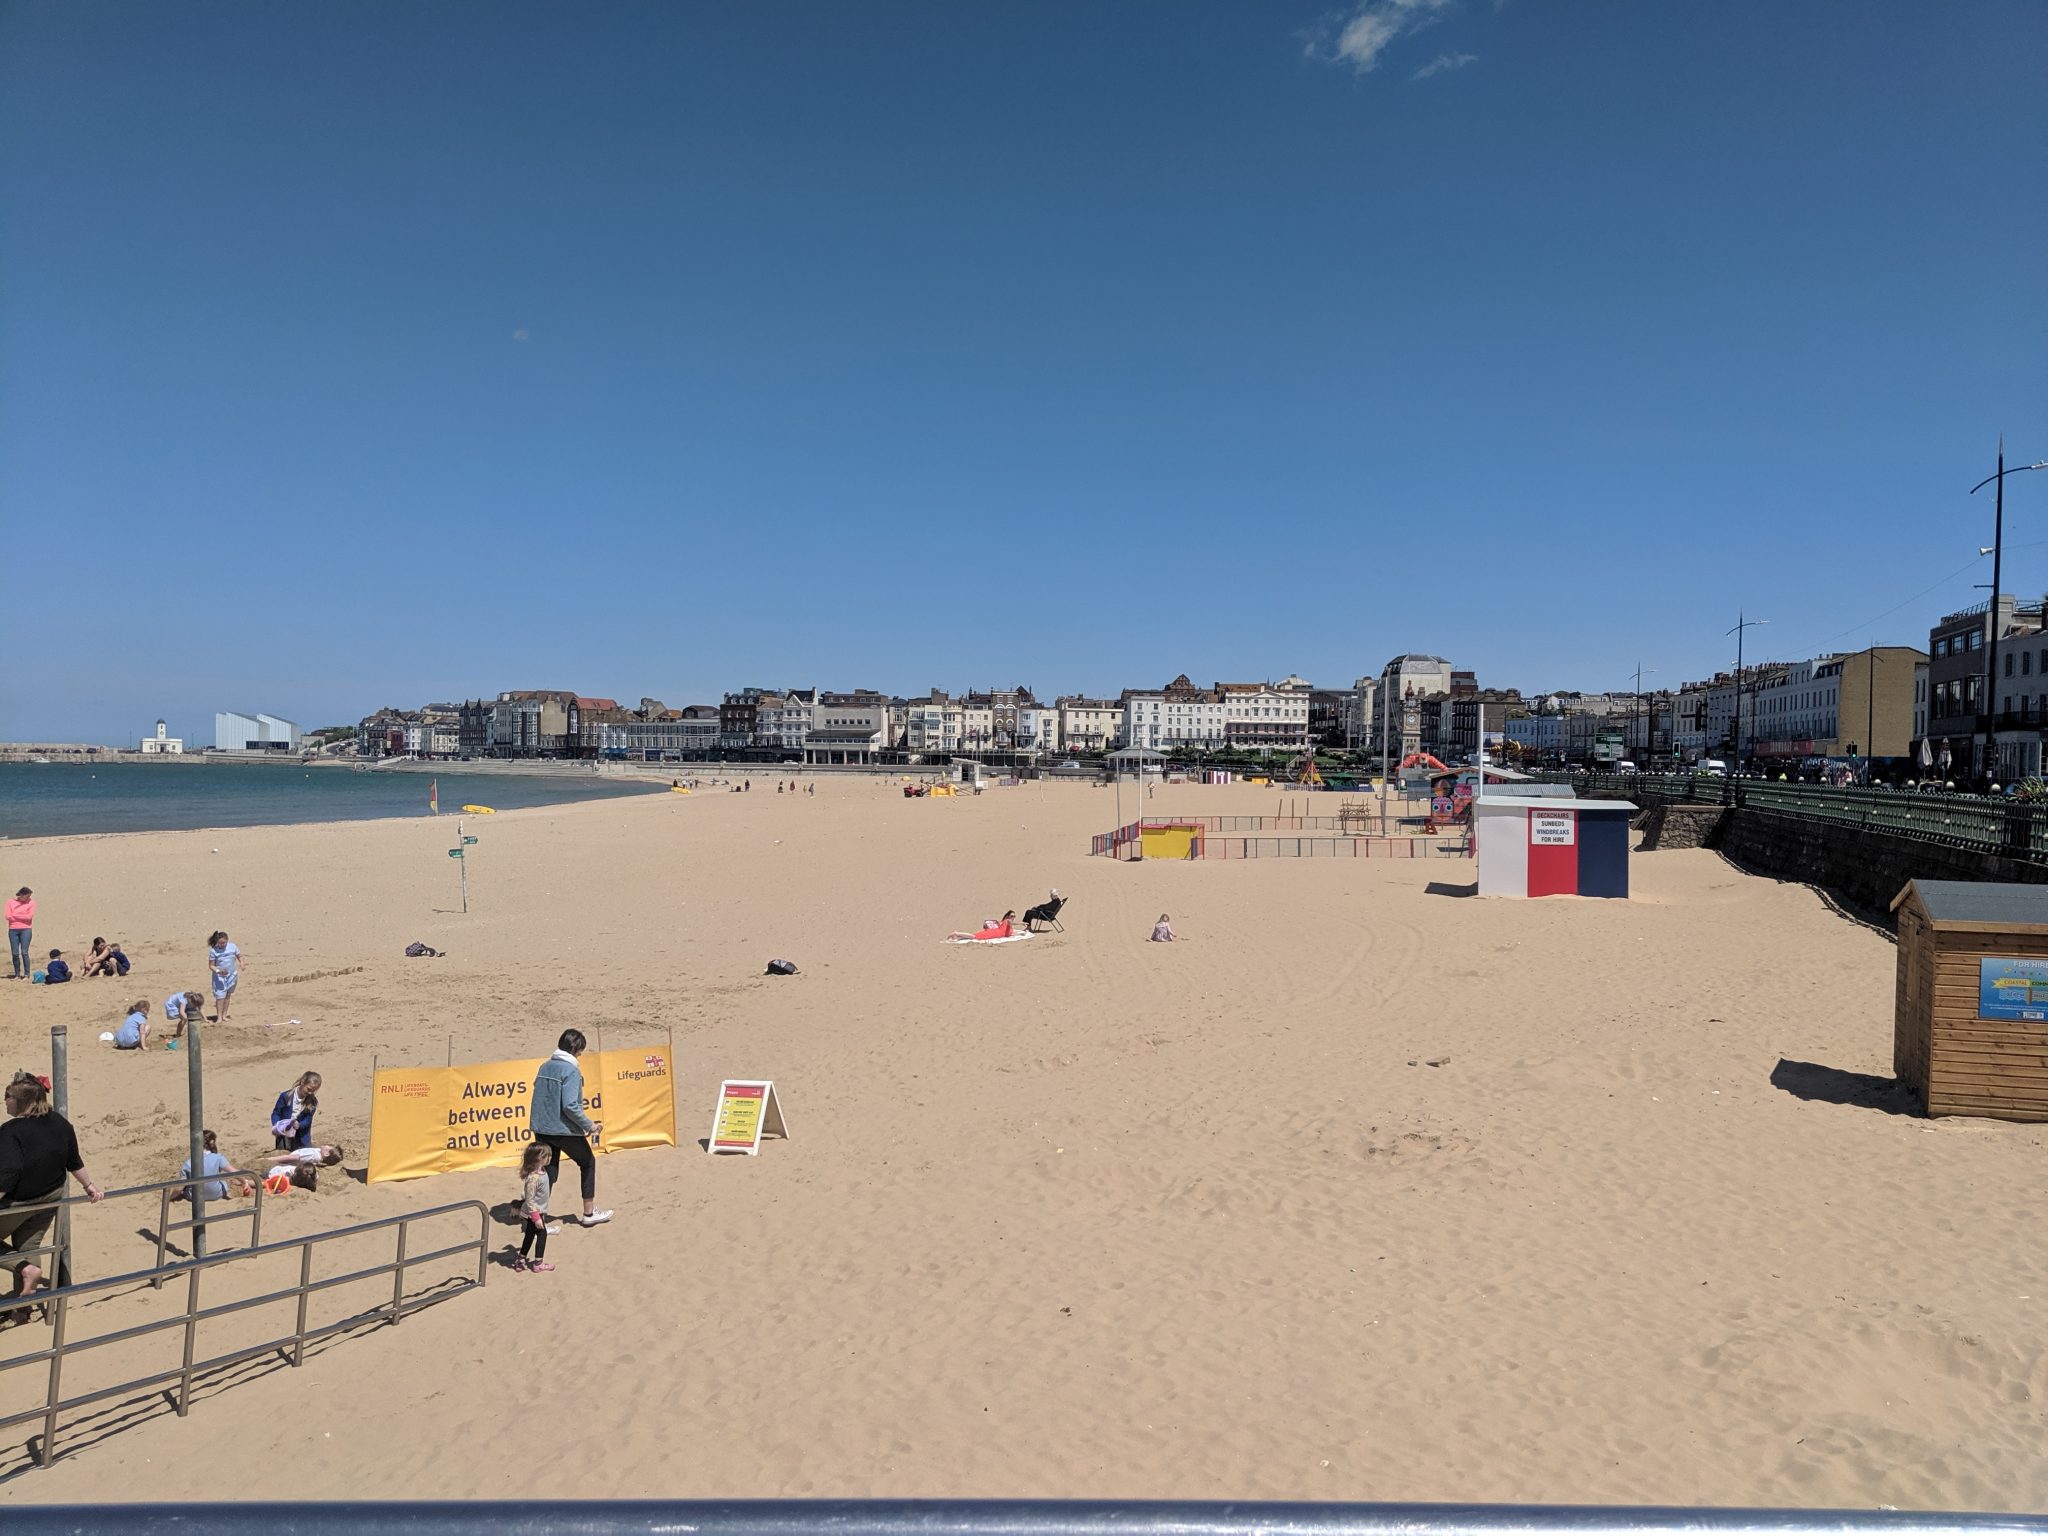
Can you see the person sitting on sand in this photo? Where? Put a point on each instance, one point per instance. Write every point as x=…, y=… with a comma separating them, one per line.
x=1162, y=931
x=180, y=1006
x=55, y=970
x=995, y=928
x=300, y=1169
x=105, y=959
x=212, y=1161
x=133, y=1035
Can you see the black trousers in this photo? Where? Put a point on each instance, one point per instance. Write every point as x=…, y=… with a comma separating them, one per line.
x=535, y=1242
x=578, y=1148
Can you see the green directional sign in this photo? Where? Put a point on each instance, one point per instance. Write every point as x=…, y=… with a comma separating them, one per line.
x=454, y=853
x=468, y=841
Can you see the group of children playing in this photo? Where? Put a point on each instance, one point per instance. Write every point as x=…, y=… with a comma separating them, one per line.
x=295, y=1161
x=224, y=959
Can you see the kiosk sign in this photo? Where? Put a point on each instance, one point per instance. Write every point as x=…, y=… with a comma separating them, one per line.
x=1553, y=829
x=2012, y=987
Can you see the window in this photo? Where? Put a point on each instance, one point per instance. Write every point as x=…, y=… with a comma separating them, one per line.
x=2008, y=663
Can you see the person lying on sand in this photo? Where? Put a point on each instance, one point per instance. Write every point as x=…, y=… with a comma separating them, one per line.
x=300, y=1169
x=995, y=928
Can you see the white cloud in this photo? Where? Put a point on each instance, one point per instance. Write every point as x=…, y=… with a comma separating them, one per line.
x=1442, y=62
x=1371, y=29
x=521, y=336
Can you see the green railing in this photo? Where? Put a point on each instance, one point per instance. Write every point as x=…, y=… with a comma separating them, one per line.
x=1987, y=824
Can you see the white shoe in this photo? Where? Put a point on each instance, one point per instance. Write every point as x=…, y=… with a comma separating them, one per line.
x=554, y=1227
x=596, y=1218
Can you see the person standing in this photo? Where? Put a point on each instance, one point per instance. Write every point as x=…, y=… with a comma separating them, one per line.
x=534, y=1188
x=226, y=962
x=37, y=1149
x=291, y=1117
x=21, y=923
x=556, y=1119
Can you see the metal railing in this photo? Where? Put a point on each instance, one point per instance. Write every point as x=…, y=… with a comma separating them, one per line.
x=1984, y=824
x=1020, y=1517
x=166, y=1191
x=60, y=1300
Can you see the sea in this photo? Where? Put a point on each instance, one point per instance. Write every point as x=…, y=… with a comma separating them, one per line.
x=67, y=799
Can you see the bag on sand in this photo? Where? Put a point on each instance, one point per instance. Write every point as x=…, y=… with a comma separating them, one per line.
x=415, y=949
x=781, y=968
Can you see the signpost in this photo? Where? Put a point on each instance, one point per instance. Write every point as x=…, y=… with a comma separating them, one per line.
x=747, y=1110
x=461, y=863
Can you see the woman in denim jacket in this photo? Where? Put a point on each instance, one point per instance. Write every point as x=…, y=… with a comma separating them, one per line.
x=557, y=1120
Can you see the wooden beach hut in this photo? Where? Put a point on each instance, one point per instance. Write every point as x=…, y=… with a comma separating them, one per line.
x=1970, y=1027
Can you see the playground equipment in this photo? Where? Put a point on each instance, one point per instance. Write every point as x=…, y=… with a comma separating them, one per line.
x=1309, y=777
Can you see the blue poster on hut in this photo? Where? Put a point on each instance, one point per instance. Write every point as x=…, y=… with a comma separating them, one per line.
x=2012, y=988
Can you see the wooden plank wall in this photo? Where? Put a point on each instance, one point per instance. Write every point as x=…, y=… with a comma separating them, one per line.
x=1994, y=1067
x=1914, y=1000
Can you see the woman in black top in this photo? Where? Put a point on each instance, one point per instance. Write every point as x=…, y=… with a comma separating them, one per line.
x=37, y=1149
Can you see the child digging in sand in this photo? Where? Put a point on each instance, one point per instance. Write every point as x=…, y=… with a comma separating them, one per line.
x=535, y=1188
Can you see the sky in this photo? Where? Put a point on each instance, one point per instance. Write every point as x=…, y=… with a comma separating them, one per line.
x=367, y=354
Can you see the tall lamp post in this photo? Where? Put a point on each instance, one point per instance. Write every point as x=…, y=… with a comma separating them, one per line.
x=1997, y=558
x=1649, y=719
x=1742, y=623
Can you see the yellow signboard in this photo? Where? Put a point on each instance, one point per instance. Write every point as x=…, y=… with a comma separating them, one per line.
x=747, y=1110
x=450, y=1119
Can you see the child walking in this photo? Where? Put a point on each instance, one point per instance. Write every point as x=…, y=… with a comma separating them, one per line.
x=533, y=1210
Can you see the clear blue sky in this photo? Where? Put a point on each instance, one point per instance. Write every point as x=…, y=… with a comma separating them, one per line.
x=355, y=354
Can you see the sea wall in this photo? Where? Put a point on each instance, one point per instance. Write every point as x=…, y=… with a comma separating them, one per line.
x=1862, y=868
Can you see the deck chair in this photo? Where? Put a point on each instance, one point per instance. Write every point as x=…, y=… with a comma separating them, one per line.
x=1046, y=912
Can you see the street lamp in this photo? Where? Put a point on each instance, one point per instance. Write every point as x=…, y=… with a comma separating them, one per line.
x=1997, y=557
x=1742, y=622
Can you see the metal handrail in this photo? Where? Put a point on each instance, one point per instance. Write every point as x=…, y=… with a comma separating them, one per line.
x=163, y=1189
x=970, y=1517
x=60, y=1298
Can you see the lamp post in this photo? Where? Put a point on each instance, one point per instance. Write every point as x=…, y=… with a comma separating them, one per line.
x=1742, y=623
x=1997, y=558
x=1649, y=721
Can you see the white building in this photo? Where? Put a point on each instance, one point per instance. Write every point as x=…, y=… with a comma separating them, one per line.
x=162, y=745
x=1178, y=715
x=848, y=728
x=784, y=720
x=1265, y=717
x=254, y=733
x=1038, y=728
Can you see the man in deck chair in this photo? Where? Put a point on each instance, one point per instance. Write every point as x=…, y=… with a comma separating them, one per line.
x=1046, y=912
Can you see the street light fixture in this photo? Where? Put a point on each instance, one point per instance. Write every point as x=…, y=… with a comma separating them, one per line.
x=1742, y=622
x=1997, y=559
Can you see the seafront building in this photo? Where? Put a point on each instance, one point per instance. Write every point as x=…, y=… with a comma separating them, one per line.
x=163, y=744
x=254, y=733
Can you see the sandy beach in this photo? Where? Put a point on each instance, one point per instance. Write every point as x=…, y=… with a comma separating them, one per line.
x=1366, y=1190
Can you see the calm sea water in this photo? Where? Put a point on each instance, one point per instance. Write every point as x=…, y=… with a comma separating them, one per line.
x=55, y=799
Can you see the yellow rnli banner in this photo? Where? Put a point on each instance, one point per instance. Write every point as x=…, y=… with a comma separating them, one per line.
x=449, y=1119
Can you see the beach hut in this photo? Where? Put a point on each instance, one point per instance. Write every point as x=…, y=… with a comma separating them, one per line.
x=1970, y=1024
x=1556, y=846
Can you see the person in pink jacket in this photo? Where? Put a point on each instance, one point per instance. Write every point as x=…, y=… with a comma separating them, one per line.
x=21, y=922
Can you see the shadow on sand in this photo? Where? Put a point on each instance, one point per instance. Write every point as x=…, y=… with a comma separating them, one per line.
x=1831, y=1085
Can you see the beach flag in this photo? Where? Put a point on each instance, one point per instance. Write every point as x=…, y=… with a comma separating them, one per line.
x=434, y=797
